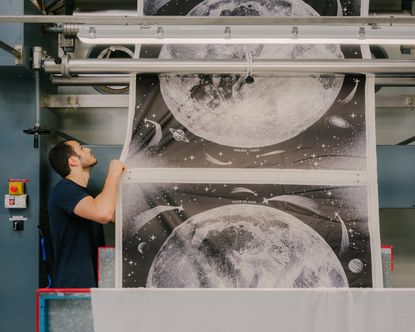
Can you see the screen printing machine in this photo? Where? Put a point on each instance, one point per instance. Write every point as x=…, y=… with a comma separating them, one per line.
x=269, y=146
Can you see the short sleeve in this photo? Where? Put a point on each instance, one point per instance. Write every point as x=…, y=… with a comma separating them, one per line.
x=69, y=195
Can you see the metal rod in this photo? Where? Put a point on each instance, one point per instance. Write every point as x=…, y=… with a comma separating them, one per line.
x=37, y=96
x=407, y=141
x=199, y=20
x=124, y=80
x=37, y=65
x=81, y=101
x=395, y=81
x=17, y=54
x=259, y=66
x=91, y=80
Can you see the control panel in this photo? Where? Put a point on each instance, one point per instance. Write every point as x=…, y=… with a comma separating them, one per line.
x=16, y=198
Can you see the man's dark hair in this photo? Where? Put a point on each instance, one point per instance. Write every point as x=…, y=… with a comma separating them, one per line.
x=58, y=157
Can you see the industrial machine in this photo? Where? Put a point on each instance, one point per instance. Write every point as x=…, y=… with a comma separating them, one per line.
x=65, y=70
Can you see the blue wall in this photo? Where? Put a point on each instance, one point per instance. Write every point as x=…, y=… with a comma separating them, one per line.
x=11, y=34
x=396, y=176
x=18, y=250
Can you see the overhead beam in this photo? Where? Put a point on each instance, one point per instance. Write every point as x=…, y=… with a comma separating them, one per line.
x=257, y=67
x=246, y=34
x=92, y=80
x=81, y=101
x=395, y=81
x=121, y=101
x=395, y=101
x=103, y=80
x=209, y=20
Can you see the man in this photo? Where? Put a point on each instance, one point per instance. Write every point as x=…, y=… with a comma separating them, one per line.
x=75, y=217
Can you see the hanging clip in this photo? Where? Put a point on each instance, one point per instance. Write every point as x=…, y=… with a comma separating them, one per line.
x=92, y=32
x=160, y=32
x=294, y=32
x=362, y=33
x=249, y=78
x=228, y=32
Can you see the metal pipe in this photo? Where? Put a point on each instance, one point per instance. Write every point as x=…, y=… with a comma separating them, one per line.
x=37, y=97
x=91, y=80
x=259, y=66
x=124, y=80
x=395, y=81
x=36, y=66
x=208, y=20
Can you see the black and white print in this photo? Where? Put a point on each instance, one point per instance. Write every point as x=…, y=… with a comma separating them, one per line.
x=336, y=140
x=322, y=7
x=278, y=121
x=245, y=235
x=204, y=232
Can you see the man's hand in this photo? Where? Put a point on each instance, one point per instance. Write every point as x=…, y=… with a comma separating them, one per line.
x=116, y=168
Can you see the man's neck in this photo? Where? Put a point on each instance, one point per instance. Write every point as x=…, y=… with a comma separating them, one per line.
x=79, y=176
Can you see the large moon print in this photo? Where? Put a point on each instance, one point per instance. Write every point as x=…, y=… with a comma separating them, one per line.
x=245, y=246
x=225, y=109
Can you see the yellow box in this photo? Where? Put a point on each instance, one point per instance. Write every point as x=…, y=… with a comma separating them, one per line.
x=16, y=188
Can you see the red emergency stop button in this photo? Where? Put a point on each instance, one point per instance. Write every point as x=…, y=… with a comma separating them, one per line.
x=13, y=189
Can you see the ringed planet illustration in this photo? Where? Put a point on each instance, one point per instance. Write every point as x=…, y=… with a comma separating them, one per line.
x=339, y=122
x=179, y=135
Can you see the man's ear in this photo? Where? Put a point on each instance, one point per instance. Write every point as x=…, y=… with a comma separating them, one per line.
x=73, y=161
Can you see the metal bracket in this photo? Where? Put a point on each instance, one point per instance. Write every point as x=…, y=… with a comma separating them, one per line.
x=19, y=59
x=228, y=32
x=294, y=32
x=18, y=218
x=362, y=32
x=17, y=51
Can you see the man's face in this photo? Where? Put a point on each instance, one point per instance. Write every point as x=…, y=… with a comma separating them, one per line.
x=84, y=154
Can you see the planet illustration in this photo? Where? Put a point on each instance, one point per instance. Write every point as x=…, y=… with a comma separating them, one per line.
x=356, y=265
x=245, y=246
x=225, y=109
x=143, y=247
x=179, y=135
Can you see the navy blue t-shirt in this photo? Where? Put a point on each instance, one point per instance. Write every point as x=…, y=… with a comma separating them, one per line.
x=75, y=240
